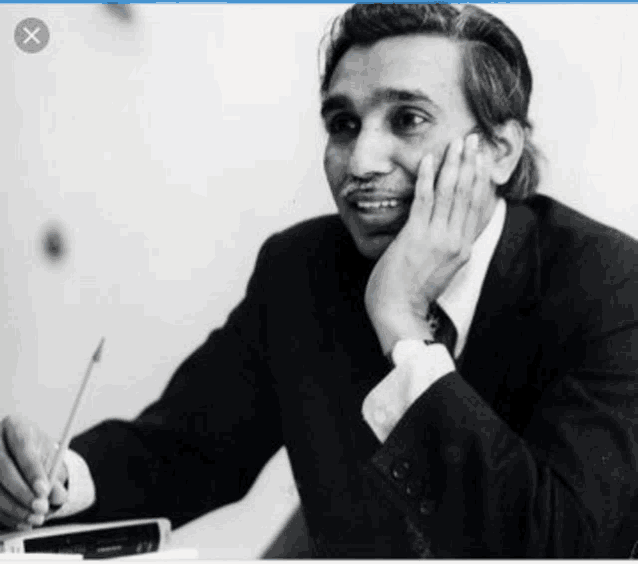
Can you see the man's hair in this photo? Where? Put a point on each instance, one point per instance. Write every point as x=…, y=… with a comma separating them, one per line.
x=496, y=77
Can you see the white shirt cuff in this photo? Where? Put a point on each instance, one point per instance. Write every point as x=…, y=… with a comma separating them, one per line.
x=418, y=366
x=81, y=487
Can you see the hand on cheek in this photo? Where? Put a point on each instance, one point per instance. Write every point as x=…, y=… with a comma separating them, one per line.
x=463, y=194
x=436, y=241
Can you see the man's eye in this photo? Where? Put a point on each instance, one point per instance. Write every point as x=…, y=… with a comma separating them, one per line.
x=342, y=125
x=409, y=121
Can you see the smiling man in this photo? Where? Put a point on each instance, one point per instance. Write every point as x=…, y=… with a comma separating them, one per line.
x=451, y=361
x=386, y=107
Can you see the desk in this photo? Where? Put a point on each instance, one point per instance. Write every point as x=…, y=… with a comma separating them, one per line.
x=246, y=529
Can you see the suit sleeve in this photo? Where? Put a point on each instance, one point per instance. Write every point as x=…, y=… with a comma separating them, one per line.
x=202, y=444
x=470, y=486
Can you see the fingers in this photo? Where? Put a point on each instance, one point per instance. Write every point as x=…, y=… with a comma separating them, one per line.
x=14, y=510
x=424, y=190
x=465, y=186
x=456, y=205
x=12, y=481
x=477, y=204
x=22, y=499
x=9, y=522
x=14, y=515
x=446, y=184
x=22, y=447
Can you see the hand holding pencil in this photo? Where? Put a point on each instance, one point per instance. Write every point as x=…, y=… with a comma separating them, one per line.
x=26, y=492
x=32, y=469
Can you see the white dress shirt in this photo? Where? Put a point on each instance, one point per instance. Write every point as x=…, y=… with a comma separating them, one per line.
x=417, y=365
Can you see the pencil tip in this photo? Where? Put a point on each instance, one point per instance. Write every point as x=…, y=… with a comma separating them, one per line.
x=98, y=351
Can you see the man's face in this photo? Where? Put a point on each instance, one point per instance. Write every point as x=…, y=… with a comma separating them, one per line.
x=386, y=108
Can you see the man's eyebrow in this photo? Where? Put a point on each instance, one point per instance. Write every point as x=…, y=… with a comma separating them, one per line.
x=380, y=95
x=333, y=103
x=403, y=95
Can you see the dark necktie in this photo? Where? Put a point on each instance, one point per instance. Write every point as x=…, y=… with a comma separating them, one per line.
x=444, y=330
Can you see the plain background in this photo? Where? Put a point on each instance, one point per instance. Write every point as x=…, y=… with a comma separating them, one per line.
x=166, y=148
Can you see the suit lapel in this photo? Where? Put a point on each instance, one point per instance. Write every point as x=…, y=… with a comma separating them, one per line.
x=512, y=282
x=499, y=342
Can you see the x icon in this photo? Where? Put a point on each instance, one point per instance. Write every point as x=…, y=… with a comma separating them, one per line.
x=31, y=35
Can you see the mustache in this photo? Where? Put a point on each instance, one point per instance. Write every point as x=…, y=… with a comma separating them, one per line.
x=378, y=185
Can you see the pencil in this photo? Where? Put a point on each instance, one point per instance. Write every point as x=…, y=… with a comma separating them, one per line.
x=66, y=435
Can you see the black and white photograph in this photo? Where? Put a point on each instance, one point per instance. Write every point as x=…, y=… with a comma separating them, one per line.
x=298, y=281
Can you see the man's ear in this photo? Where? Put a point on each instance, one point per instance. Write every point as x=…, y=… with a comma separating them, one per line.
x=506, y=151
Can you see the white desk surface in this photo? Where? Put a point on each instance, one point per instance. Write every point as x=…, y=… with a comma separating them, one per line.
x=244, y=530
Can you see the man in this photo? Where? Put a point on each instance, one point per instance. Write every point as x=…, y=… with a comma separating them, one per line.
x=450, y=363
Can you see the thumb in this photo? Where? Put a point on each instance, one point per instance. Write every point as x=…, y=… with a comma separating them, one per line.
x=59, y=494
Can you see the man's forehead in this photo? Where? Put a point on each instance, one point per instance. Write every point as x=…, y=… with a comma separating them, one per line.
x=428, y=63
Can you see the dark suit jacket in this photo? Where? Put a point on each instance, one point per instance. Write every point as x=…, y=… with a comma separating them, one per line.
x=528, y=449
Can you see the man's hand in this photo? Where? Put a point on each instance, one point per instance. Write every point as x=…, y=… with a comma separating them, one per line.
x=433, y=245
x=26, y=455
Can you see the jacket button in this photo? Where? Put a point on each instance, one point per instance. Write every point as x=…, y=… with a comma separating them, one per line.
x=400, y=470
x=414, y=487
x=426, y=507
x=422, y=547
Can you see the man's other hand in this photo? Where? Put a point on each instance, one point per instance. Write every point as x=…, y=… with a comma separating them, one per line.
x=434, y=244
x=26, y=456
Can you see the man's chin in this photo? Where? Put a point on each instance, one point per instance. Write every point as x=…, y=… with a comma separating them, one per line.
x=373, y=246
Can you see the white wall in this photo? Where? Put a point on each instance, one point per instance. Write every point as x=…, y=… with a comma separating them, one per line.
x=584, y=102
x=167, y=149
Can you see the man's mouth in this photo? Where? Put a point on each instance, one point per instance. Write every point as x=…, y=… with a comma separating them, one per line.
x=372, y=205
x=378, y=201
x=379, y=211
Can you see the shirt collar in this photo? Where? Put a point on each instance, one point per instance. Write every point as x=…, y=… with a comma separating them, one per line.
x=460, y=298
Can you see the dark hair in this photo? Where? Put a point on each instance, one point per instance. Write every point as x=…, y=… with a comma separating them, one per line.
x=496, y=76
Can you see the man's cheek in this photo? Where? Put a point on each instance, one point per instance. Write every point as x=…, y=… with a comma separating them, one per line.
x=335, y=168
x=417, y=156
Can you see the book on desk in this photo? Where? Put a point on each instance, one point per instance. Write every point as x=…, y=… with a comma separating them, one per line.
x=95, y=541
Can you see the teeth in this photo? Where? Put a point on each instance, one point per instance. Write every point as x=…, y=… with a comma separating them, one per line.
x=378, y=205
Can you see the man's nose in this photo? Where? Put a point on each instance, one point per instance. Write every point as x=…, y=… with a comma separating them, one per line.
x=371, y=153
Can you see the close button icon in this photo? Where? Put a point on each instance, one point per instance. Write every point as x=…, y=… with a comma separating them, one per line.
x=31, y=35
